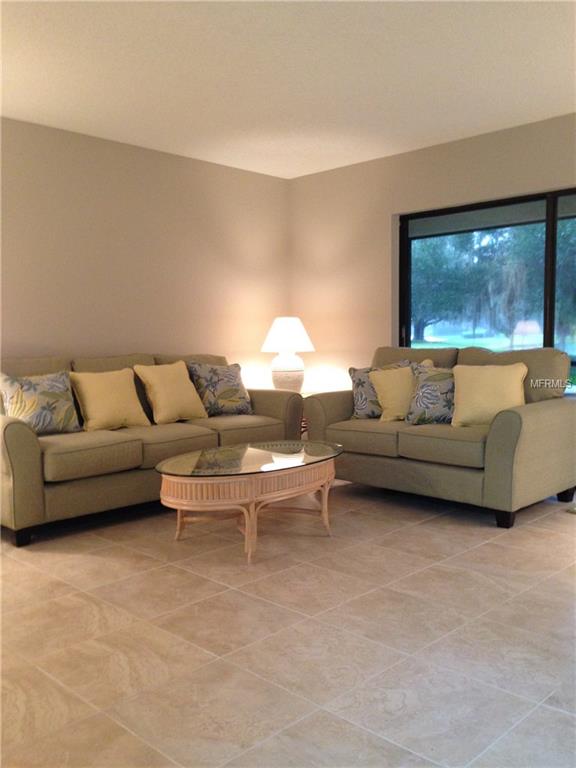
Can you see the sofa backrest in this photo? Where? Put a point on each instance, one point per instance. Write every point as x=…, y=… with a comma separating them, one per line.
x=110, y=363
x=442, y=358
x=35, y=366
x=547, y=368
x=210, y=359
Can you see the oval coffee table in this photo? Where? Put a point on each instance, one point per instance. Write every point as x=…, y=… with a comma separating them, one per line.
x=243, y=479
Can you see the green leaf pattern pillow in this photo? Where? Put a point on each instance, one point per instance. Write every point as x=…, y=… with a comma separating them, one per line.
x=45, y=403
x=366, y=404
x=433, y=399
x=221, y=389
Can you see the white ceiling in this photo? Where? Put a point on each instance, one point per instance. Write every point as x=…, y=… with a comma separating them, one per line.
x=287, y=88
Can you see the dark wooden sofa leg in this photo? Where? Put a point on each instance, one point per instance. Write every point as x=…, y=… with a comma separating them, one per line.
x=22, y=537
x=566, y=495
x=505, y=519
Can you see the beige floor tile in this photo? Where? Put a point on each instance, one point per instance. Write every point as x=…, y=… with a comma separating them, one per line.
x=229, y=565
x=33, y=705
x=314, y=660
x=171, y=551
x=227, y=622
x=123, y=663
x=466, y=516
x=565, y=579
x=37, y=630
x=361, y=524
x=373, y=563
x=424, y=542
x=158, y=591
x=545, y=739
x=529, y=515
x=393, y=503
x=293, y=517
x=541, y=609
x=511, y=567
x=468, y=592
x=24, y=585
x=162, y=525
x=96, y=742
x=476, y=524
x=10, y=659
x=559, y=521
x=308, y=589
x=303, y=546
x=322, y=740
x=211, y=716
x=534, y=539
x=91, y=569
x=404, y=511
x=400, y=621
x=524, y=663
x=564, y=697
x=59, y=543
x=439, y=714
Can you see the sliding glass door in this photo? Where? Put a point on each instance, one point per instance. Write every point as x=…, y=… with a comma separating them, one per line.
x=500, y=275
x=565, y=298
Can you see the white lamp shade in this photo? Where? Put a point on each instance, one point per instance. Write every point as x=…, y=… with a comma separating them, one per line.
x=287, y=334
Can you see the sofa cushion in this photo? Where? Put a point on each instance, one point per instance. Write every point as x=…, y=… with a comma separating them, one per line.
x=44, y=402
x=547, y=368
x=170, y=392
x=162, y=441
x=108, y=400
x=372, y=436
x=394, y=388
x=444, y=444
x=221, y=389
x=233, y=429
x=87, y=454
x=433, y=398
x=442, y=358
x=482, y=391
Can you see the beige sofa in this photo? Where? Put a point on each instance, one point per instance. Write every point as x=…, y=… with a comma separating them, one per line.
x=55, y=477
x=527, y=454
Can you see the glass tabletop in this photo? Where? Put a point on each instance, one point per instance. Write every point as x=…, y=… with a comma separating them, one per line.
x=249, y=459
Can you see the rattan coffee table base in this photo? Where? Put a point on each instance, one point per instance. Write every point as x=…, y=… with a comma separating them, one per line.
x=245, y=495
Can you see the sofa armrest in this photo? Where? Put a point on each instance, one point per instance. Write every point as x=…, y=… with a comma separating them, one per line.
x=325, y=409
x=22, y=478
x=530, y=454
x=280, y=404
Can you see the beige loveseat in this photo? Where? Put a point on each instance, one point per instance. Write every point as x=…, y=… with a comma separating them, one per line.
x=527, y=454
x=55, y=477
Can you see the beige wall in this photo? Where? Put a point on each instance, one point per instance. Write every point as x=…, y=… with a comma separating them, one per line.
x=110, y=248
x=344, y=262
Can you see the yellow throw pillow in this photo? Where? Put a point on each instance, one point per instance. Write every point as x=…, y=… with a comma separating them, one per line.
x=108, y=400
x=171, y=393
x=482, y=391
x=394, y=388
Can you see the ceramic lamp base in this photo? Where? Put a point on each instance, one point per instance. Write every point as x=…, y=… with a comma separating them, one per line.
x=288, y=372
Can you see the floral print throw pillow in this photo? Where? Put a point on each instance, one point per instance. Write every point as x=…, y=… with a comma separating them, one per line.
x=220, y=388
x=45, y=403
x=366, y=405
x=433, y=399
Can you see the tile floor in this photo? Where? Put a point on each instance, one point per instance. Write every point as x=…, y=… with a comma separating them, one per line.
x=419, y=634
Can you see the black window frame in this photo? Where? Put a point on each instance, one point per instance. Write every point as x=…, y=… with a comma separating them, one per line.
x=405, y=266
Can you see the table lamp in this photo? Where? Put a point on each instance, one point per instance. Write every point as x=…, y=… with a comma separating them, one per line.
x=287, y=336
